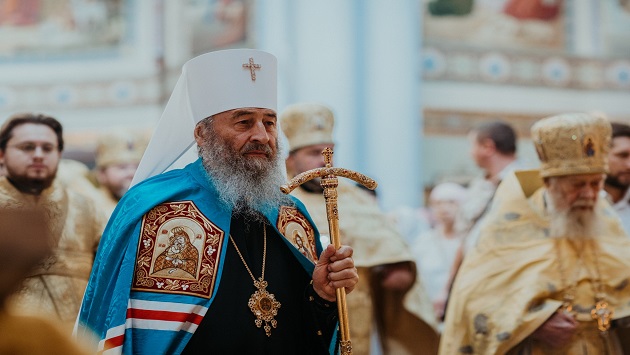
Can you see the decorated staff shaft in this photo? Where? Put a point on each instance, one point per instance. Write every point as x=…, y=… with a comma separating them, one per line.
x=330, y=182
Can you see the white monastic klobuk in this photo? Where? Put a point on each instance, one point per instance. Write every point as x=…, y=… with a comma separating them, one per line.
x=209, y=84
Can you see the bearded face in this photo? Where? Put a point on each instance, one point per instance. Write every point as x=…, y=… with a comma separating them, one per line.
x=619, y=163
x=572, y=201
x=31, y=157
x=247, y=176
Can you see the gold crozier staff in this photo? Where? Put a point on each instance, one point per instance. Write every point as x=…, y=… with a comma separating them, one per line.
x=330, y=182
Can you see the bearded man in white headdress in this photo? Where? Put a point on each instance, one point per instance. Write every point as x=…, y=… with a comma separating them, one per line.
x=243, y=286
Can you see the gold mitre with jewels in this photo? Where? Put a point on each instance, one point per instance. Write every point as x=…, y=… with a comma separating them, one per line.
x=572, y=144
x=119, y=147
x=307, y=124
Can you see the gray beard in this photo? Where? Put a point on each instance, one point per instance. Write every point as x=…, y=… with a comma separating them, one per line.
x=573, y=223
x=248, y=186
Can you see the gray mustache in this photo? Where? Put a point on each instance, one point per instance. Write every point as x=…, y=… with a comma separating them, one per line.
x=256, y=146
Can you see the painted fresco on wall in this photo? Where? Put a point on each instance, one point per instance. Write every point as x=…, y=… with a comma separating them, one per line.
x=34, y=28
x=218, y=24
x=496, y=24
x=528, y=42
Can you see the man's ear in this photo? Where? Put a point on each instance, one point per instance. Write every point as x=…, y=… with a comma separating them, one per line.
x=200, y=133
x=489, y=143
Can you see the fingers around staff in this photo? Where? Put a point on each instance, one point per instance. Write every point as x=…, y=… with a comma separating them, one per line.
x=347, y=283
x=343, y=278
x=343, y=273
x=343, y=252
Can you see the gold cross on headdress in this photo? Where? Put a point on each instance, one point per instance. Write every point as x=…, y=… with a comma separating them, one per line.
x=252, y=67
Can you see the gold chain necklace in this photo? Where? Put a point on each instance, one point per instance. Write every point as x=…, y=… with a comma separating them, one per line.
x=602, y=313
x=262, y=303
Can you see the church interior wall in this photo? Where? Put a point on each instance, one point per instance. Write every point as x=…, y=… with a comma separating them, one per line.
x=518, y=70
x=92, y=65
x=475, y=66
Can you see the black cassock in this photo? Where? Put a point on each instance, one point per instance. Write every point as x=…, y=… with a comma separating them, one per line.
x=306, y=322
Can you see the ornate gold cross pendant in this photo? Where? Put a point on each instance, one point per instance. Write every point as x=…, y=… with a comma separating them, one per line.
x=602, y=314
x=264, y=306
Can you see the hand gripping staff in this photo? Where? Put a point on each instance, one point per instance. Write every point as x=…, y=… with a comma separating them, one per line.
x=330, y=182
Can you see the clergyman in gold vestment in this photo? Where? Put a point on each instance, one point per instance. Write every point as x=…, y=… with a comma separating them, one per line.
x=23, y=244
x=551, y=271
x=118, y=154
x=389, y=293
x=30, y=148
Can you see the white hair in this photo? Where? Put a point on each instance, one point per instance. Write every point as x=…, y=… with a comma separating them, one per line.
x=571, y=221
x=245, y=185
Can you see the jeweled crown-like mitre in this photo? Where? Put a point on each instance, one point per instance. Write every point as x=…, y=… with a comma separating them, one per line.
x=306, y=124
x=572, y=144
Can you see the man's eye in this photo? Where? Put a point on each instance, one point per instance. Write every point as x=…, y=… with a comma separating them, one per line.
x=30, y=148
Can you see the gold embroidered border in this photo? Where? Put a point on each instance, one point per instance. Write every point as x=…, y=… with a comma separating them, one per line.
x=294, y=226
x=178, y=251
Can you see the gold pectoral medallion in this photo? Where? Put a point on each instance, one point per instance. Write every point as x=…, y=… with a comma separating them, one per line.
x=262, y=303
x=264, y=306
x=602, y=314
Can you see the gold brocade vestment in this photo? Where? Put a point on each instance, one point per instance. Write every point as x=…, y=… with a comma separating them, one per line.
x=512, y=282
x=77, y=177
x=45, y=337
x=408, y=319
x=57, y=285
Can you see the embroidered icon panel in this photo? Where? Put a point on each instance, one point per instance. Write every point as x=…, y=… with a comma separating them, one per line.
x=178, y=251
x=294, y=226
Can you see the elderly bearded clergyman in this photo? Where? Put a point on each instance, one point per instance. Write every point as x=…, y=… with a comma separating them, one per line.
x=551, y=272
x=250, y=290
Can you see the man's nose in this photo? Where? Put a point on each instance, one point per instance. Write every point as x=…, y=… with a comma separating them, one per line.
x=589, y=192
x=39, y=152
x=259, y=133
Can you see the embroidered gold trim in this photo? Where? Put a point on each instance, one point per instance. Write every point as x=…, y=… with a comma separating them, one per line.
x=296, y=229
x=178, y=251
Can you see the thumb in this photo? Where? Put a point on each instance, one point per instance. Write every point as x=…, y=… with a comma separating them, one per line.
x=324, y=258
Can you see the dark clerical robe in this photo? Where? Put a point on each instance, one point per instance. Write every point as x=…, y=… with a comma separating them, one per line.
x=232, y=318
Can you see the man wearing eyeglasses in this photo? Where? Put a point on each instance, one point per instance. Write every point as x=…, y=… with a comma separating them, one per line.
x=30, y=150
